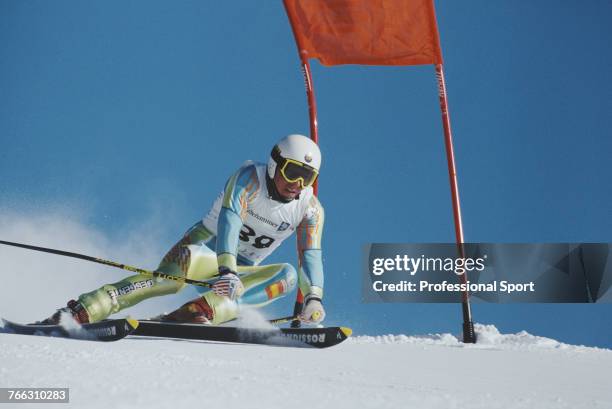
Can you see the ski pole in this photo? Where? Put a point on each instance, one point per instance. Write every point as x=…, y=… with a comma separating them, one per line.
x=282, y=320
x=110, y=263
x=289, y=319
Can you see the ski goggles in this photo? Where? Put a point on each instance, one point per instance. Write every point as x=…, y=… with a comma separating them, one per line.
x=293, y=171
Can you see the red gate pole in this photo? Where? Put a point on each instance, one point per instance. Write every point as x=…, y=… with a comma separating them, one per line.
x=314, y=131
x=469, y=336
x=314, y=135
x=312, y=109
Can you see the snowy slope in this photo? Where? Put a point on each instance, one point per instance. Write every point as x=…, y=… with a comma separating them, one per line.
x=436, y=371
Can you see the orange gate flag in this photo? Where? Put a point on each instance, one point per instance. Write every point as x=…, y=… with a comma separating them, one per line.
x=367, y=32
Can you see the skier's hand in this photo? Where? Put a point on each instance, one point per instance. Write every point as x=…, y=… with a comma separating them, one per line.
x=312, y=312
x=229, y=285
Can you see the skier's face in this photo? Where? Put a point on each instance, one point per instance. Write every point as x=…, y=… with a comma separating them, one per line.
x=289, y=190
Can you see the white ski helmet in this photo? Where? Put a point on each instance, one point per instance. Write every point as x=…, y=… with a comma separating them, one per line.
x=298, y=148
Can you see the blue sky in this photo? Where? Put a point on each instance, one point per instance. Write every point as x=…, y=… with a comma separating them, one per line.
x=124, y=108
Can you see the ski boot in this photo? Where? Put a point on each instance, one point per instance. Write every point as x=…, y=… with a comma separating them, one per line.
x=195, y=311
x=74, y=308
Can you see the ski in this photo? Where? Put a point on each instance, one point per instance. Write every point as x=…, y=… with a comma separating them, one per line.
x=109, y=330
x=291, y=337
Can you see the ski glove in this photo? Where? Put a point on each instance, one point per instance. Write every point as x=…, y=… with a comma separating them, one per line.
x=313, y=311
x=229, y=285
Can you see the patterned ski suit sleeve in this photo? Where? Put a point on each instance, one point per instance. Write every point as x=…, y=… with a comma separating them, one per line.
x=310, y=258
x=240, y=190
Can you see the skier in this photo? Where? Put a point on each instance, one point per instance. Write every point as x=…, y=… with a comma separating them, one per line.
x=260, y=207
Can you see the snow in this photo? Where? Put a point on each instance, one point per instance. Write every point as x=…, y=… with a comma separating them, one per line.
x=433, y=371
x=489, y=337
